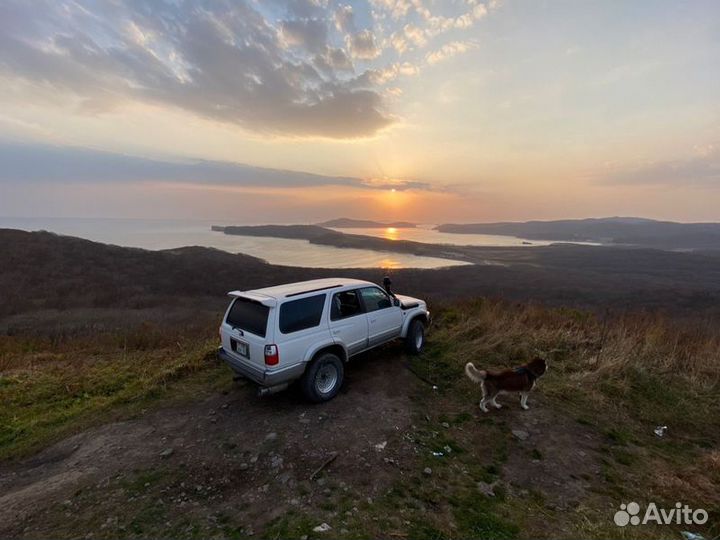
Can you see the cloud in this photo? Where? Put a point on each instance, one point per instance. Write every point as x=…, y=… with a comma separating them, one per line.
x=700, y=169
x=35, y=163
x=391, y=72
x=310, y=34
x=415, y=35
x=224, y=61
x=397, y=185
x=449, y=50
x=345, y=19
x=333, y=60
x=362, y=45
x=277, y=67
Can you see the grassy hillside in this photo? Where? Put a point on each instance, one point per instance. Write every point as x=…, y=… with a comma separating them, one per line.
x=591, y=443
x=116, y=418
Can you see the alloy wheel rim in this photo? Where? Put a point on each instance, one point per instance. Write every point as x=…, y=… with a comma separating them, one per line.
x=418, y=338
x=326, y=378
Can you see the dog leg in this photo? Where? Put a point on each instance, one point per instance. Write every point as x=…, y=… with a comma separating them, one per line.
x=523, y=400
x=483, y=407
x=494, y=402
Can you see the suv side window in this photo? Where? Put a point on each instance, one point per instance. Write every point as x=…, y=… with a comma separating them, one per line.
x=345, y=304
x=375, y=299
x=301, y=314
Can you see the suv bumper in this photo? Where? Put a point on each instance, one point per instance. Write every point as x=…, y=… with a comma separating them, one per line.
x=261, y=376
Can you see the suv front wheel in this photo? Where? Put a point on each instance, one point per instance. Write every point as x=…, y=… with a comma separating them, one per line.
x=415, y=339
x=323, y=378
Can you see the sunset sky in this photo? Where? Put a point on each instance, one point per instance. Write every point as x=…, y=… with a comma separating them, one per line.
x=302, y=110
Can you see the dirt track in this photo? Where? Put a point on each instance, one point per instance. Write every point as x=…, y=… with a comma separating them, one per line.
x=240, y=451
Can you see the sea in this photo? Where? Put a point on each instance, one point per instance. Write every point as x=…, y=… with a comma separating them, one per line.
x=158, y=234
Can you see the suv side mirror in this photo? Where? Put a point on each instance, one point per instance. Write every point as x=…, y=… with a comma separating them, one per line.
x=396, y=302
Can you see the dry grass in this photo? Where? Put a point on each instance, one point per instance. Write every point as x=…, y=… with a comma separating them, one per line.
x=52, y=387
x=618, y=376
x=496, y=332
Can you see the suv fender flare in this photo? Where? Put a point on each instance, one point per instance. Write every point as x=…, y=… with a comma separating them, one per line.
x=406, y=325
x=329, y=346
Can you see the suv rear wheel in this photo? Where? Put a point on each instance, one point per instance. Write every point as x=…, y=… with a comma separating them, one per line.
x=415, y=339
x=323, y=378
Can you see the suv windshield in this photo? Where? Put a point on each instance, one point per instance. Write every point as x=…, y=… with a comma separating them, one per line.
x=249, y=316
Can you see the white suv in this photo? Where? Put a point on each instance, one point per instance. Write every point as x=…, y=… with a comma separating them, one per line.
x=308, y=330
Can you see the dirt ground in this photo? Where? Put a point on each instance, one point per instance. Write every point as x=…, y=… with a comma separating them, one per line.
x=236, y=450
x=232, y=465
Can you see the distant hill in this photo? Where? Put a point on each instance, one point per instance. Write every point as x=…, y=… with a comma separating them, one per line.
x=349, y=223
x=629, y=231
x=41, y=272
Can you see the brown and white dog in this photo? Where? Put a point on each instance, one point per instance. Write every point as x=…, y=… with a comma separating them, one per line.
x=521, y=379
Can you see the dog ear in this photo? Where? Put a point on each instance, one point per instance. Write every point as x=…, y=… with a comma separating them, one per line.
x=539, y=364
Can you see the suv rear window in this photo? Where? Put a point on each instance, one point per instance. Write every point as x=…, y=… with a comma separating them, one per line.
x=300, y=314
x=249, y=316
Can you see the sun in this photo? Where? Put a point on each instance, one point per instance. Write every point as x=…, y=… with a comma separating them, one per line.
x=393, y=190
x=391, y=233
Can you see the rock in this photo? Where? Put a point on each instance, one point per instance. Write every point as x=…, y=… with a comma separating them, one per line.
x=284, y=478
x=271, y=436
x=323, y=527
x=381, y=446
x=224, y=406
x=304, y=420
x=427, y=471
x=445, y=425
x=486, y=489
x=167, y=453
x=244, y=466
x=520, y=434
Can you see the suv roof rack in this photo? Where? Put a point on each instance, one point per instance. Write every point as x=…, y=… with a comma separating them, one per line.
x=312, y=290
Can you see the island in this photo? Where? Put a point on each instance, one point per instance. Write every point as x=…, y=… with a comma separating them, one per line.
x=349, y=223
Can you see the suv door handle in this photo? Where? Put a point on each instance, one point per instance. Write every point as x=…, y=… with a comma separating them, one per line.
x=373, y=320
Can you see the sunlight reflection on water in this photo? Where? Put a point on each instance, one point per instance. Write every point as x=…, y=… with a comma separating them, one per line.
x=167, y=234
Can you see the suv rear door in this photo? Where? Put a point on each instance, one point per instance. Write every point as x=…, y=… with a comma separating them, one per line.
x=384, y=318
x=248, y=330
x=348, y=322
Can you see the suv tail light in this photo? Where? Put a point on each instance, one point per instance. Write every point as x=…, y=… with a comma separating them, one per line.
x=272, y=355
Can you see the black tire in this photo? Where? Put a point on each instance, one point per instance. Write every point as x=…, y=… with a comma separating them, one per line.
x=317, y=384
x=415, y=339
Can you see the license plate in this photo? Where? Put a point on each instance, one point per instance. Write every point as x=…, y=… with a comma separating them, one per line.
x=241, y=348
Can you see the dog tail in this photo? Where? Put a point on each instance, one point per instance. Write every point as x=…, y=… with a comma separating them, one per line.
x=475, y=374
